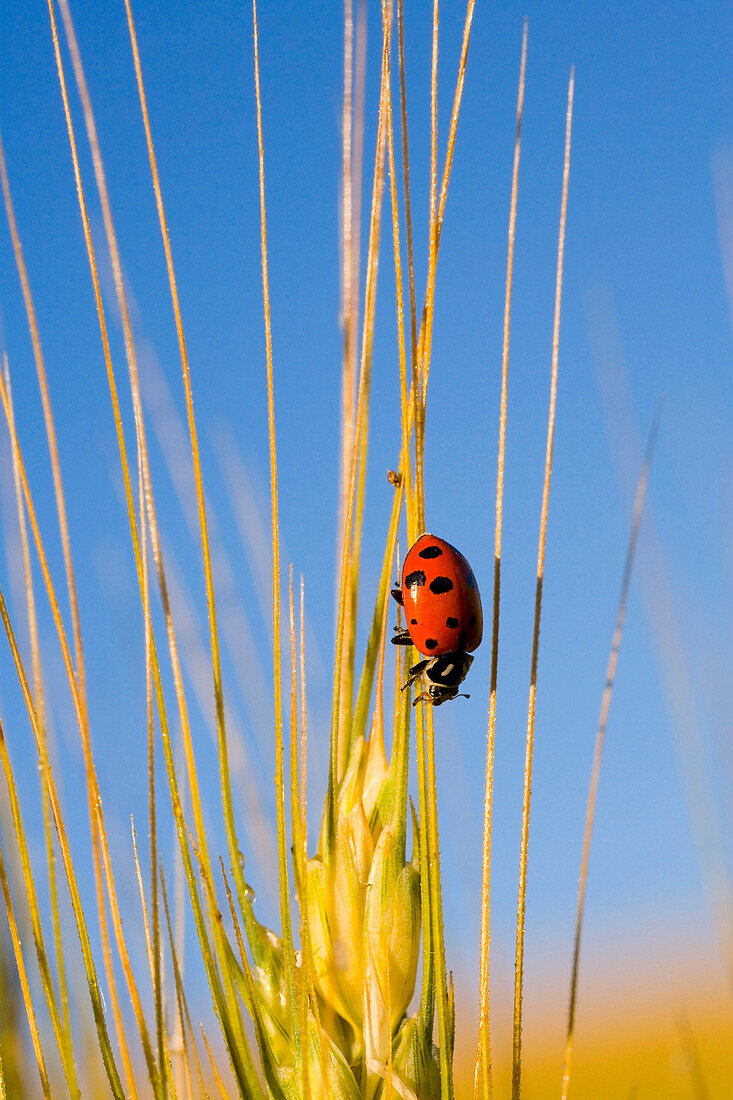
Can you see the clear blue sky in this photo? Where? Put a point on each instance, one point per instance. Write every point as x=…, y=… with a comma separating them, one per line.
x=645, y=299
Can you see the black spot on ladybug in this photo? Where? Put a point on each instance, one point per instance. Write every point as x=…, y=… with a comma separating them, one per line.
x=413, y=622
x=471, y=580
x=430, y=552
x=472, y=620
x=441, y=584
x=416, y=578
x=452, y=623
x=430, y=643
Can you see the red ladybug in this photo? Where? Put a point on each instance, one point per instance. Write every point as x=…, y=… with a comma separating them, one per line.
x=443, y=611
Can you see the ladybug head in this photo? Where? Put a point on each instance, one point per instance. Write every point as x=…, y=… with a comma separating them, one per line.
x=443, y=676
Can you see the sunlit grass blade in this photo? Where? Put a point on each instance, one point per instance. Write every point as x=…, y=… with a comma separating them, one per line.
x=62, y=1036
x=405, y=471
x=408, y=205
x=445, y=1027
x=224, y=997
x=340, y=734
x=352, y=156
x=153, y=952
x=225, y=783
x=90, y=971
x=521, y=899
x=154, y=947
x=437, y=212
x=184, y=1018
x=600, y=737
x=375, y=643
x=75, y=674
x=482, y=1075
x=67, y=1053
x=23, y=974
x=214, y=1068
x=287, y=931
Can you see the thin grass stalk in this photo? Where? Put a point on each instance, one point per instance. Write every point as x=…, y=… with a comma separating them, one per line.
x=600, y=738
x=157, y=975
x=349, y=309
x=105, y=343
x=379, y=618
x=405, y=469
x=352, y=151
x=289, y=950
x=49, y=424
x=455, y=111
x=303, y=728
x=306, y=942
x=421, y=341
x=426, y=331
x=226, y=793
x=427, y=991
x=401, y=751
x=482, y=1074
x=65, y=1035
x=347, y=727
x=95, y=806
x=96, y=813
x=432, y=259
x=214, y=1068
x=95, y=280
x=242, y=976
x=410, y=417
x=167, y=424
x=296, y=816
x=92, y=981
x=348, y=297
x=62, y=1039
x=417, y=391
x=338, y=752
x=357, y=180
x=408, y=210
x=75, y=681
x=22, y=973
x=436, y=917
x=426, y=736
x=183, y=1014
x=154, y=947
x=433, y=940
x=521, y=900
x=224, y=999
x=90, y=976
x=167, y=1081
x=353, y=252
x=223, y=993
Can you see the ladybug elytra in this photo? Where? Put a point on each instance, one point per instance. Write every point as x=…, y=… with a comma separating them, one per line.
x=443, y=611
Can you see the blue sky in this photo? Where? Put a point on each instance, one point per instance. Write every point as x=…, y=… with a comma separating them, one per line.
x=645, y=308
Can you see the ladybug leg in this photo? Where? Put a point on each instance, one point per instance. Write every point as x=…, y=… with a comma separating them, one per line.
x=397, y=595
x=437, y=695
x=401, y=637
x=415, y=673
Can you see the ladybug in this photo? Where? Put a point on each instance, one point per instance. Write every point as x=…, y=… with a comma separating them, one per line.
x=443, y=612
